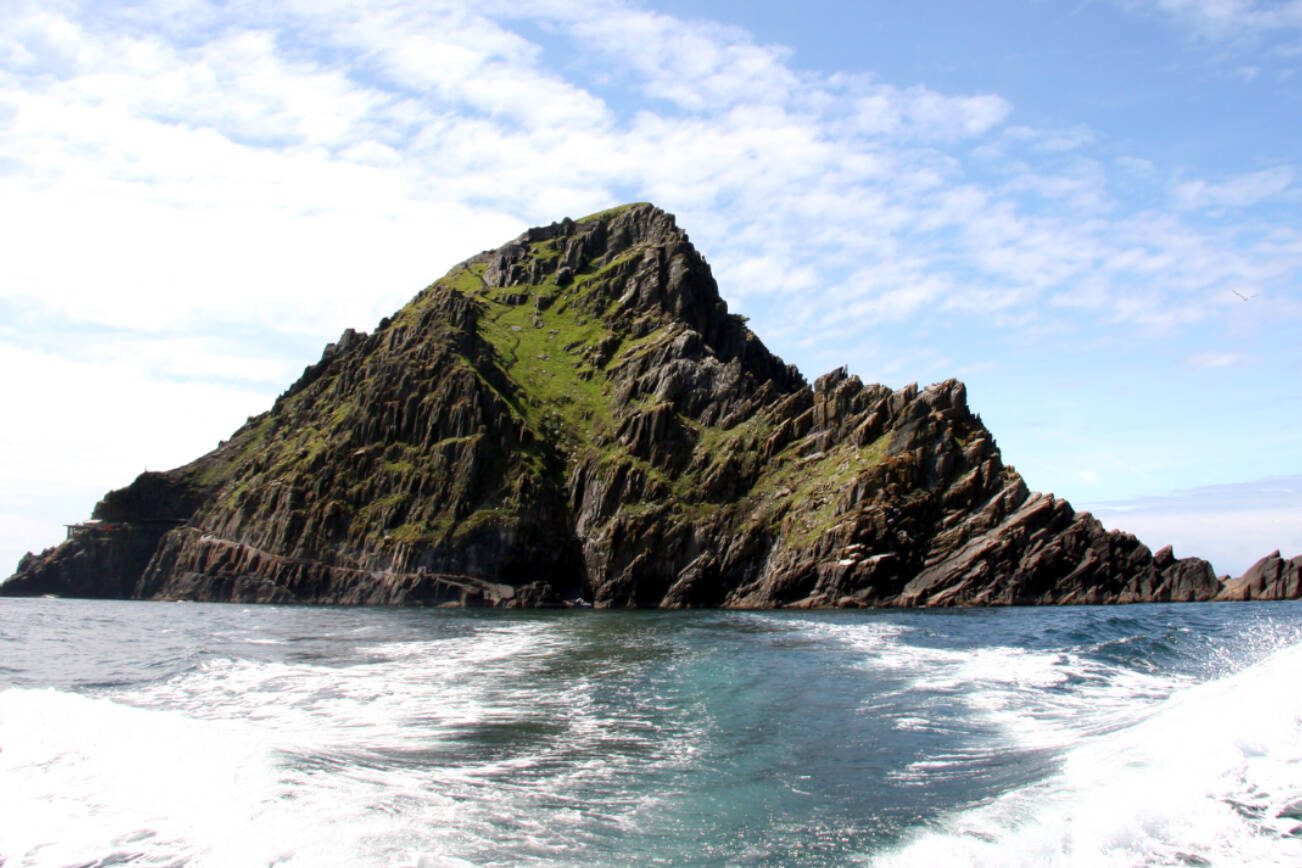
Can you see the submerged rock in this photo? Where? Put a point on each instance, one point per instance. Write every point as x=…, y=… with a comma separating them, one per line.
x=577, y=416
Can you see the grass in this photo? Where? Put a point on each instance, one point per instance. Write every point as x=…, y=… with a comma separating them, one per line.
x=399, y=467
x=483, y=517
x=543, y=353
x=467, y=279
x=374, y=516
x=443, y=526
x=634, y=348
x=609, y=212
x=820, y=481
x=416, y=534
x=546, y=251
x=536, y=357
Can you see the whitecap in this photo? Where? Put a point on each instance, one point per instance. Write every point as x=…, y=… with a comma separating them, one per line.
x=1212, y=776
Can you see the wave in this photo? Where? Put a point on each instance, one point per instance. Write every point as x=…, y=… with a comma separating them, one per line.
x=1083, y=737
x=1211, y=775
x=465, y=747
x=1009, y=696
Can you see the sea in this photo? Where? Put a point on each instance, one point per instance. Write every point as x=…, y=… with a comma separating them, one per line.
x=139, y=734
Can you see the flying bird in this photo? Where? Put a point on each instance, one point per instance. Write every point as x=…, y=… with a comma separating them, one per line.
x=1242, y=296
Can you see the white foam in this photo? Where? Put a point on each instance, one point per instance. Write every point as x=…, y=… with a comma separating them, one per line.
x=253, y=762
x=85, y=778
x=1035, y=699
x=1207, y=776
x=322, y=706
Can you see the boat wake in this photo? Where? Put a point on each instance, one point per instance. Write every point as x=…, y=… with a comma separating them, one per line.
x=277, y=736
x=1211, y=775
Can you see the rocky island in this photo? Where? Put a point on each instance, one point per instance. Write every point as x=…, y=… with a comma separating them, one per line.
x=576, y=418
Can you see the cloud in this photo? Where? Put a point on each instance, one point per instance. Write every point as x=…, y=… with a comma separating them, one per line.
x=435, y=129
x=1089, y=476
x=1252, y=45
x=1230, y=17
x=694, y=65
x=1238, y=191
x=921, y=112
x=1214, y=360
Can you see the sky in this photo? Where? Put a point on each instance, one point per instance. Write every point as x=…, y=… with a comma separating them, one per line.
x=1089, y=210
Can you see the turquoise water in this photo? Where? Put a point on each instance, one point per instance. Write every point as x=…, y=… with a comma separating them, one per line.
x=164, y=733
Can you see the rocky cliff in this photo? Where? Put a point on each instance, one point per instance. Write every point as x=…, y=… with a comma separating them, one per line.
x=1271, y=578
x=576, y=416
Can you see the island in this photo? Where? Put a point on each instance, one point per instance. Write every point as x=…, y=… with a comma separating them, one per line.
x=576, y=418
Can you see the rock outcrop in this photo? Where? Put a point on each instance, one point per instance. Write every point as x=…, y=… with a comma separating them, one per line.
x=1271, y=578
x=576, y=416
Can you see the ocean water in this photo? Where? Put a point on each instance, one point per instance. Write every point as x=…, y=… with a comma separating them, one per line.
x=195, y=734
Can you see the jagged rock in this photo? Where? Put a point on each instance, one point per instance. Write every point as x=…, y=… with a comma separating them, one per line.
x=1271, y=578
x=577, y=416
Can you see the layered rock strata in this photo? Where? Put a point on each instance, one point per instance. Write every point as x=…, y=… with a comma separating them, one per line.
x=1271, y=578
x=577, y=416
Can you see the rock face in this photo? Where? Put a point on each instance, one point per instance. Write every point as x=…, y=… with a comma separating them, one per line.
x=1271, y=578
x=576, y=415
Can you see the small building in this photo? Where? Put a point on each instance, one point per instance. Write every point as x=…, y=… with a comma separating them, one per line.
x=89, y=528
x=96, y=527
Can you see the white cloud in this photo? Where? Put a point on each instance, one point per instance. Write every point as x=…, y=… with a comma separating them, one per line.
x=1214, y=360
x=1230, y=17
x=944, y=116
x=439, y=122
x=1238, y=191
x=1089, y=476
x=772, y=272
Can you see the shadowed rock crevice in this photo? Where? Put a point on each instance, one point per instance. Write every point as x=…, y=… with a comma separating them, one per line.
x=576, y=415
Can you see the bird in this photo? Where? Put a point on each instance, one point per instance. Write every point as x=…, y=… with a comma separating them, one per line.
x=1242, y=296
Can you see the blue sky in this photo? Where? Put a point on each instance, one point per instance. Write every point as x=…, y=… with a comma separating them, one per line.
x=1061, y=203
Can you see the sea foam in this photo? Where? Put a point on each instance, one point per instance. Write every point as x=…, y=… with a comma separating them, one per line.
x=89, y=781
x=1213, y=775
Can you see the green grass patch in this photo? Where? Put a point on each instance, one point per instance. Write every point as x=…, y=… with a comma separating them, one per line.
x=467, y=279
x=400, y=467
x=633, y=349
x=543, y=352
x=481, y=518
x=420, y=534
x=815, y=485
x=545, y=251
x=609, y=212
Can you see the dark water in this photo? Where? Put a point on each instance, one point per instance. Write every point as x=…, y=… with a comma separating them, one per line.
x=163, y=734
